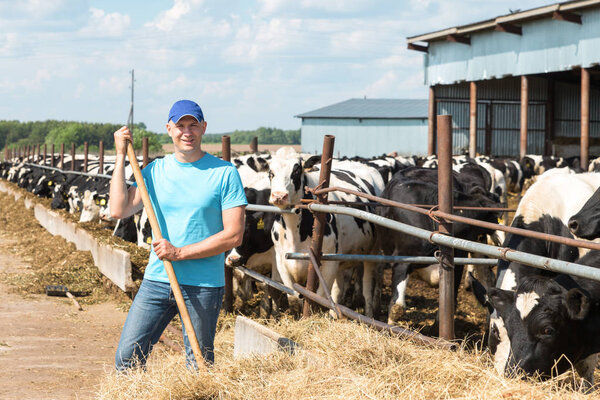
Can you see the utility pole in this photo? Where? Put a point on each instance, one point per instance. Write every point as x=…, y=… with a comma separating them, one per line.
x=130, y=122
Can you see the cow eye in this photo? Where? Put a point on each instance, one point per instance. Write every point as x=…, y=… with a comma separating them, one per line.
x=271, y=174
x=548, y=331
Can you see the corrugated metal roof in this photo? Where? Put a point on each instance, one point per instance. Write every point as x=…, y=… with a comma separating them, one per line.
x=372, y=108
x=514, y=18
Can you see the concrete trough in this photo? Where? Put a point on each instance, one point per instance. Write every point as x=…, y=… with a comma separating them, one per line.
x=115, y=264
x=252, y=338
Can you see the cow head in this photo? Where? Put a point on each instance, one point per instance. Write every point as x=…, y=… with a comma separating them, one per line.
x=90, y=206
x=286, y=176
x=586, y=223
x=539, y=328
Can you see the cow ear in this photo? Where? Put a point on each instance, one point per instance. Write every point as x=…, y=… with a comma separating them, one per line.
x=500, y=299
x=577, y=304
x=480, y=293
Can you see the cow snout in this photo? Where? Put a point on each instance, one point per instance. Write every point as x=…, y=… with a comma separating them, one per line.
x=279, y=198
x=574, y=226
x=233, y=260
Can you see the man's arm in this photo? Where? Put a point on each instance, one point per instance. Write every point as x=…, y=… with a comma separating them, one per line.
x=122, y=202
x=230, y=237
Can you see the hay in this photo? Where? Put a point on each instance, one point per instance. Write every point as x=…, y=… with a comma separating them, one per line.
x=344, y=360
x=50, y=260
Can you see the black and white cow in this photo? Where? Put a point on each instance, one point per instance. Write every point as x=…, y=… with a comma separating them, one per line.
x=405, y=188
x=546, y=207
x=343, y=234
x=550, y=323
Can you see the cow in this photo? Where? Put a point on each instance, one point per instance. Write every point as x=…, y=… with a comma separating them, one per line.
x=342, y=233
x=406, y=188
x=546, y=207
x=549, y=324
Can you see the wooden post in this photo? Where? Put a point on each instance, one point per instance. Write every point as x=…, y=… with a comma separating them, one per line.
x=585, y=118
x=101, y=157
x=37, y=153
x=431, y=123
x=473, y=121
x=85, y=156
x=45, y=154
x=319, y=219
x=144, y=152
x=254, y=145
x=52, y=155
x=228, y=300
x=62, y=156
x=445, y=200
x=72, y=156
x=524, y=109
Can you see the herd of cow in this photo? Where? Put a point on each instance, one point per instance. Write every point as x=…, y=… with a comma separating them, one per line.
x=540, y=322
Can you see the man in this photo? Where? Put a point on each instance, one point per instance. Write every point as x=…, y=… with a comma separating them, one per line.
x=199, y=202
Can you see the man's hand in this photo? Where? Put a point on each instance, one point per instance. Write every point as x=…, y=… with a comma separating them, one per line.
x=165, y=250
x=121, y=138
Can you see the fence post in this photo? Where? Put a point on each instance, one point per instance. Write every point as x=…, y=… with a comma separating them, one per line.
x=62, y=156
x=228, y=306
x=254, y=145
x=45, y=154
x=85, y=156
x=72, y=156
x=319, y=220
x=144, y=152
x=445, y=200
x=101, y=157
x=37, y=153
x=52, y=155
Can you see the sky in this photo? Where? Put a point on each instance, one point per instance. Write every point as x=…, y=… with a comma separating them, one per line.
x=248, y=63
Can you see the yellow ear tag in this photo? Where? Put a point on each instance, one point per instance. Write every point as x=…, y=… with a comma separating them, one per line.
x=49, y=183
x=149, y=240
x=260, y=224
x=501, y=221
x=103, y=202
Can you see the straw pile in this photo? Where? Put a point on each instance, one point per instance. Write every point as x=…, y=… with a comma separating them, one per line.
x=342, y=360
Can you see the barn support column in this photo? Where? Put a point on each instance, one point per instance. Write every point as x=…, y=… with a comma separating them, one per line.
x=473, y=121
x=446, y=313
x=585, y=118
x=549, y=132
x=431, y=123
x=524, y=109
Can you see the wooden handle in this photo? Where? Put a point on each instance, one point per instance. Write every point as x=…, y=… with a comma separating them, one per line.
x=185, y=316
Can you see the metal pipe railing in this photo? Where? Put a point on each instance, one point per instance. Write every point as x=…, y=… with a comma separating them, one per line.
x=268, y=281
x=483, y=224
x=504, y=253
x=391, y=259
x=74, y=172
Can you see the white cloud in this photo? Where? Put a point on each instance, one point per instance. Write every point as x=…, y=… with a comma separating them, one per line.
x=101, y=24
x=114, y=84
x=169, y=19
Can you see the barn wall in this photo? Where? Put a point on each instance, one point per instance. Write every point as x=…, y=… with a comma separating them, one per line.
x=546, y=45
x=499, y=110
x=367, y=137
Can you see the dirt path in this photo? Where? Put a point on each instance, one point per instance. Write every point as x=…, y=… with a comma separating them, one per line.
x=48, y=349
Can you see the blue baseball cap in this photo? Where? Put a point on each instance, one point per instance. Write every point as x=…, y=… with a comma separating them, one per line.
x=182, y=108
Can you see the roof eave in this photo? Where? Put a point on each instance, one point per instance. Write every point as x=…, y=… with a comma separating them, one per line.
x=519, y=17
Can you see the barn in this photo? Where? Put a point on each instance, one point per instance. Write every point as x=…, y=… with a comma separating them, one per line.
x=525, y=82
x=368, y=127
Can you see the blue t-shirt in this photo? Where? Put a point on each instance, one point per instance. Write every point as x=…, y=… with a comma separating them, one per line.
x=188, y=199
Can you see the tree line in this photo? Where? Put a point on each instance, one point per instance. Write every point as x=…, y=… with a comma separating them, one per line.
x=16, y=134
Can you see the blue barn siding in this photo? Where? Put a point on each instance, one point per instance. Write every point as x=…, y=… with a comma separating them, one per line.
x=546, y=45
x=366, y=138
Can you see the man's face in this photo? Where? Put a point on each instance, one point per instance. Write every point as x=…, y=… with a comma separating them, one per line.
x=186, y=134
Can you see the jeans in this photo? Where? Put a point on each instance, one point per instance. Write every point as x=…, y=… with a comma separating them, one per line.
x=153, y=308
